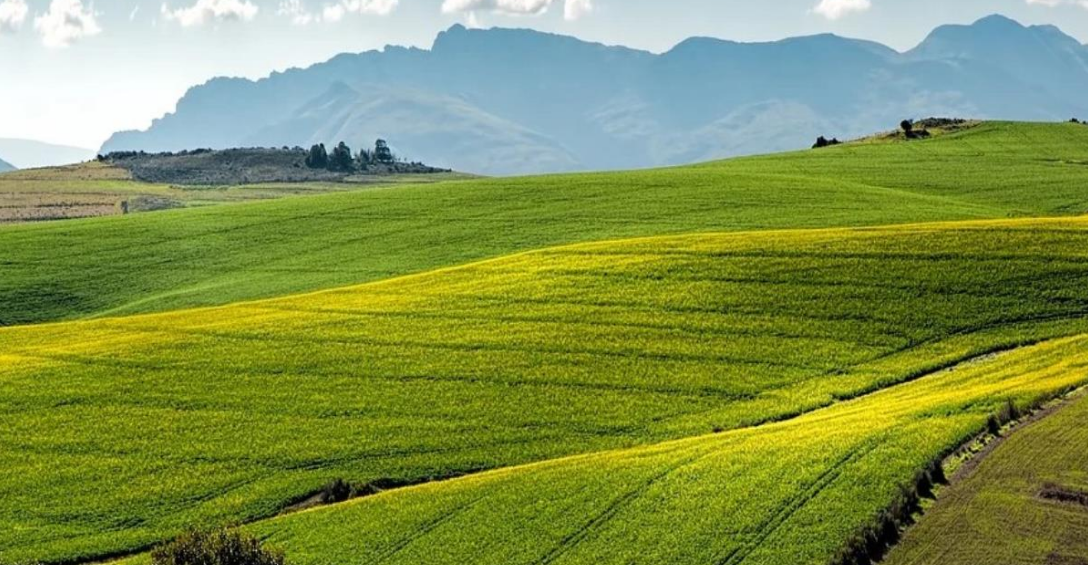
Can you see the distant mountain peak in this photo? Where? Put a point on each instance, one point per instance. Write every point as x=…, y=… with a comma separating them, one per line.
x=997, y=20
x=505, y=100
x=992, y=37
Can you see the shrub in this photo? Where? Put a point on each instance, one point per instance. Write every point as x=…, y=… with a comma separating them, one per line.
x=336, y=491
x=822, y=142
x=216, y=547
x=907, y=126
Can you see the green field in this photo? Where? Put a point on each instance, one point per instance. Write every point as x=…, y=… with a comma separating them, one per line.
x=737, y=362
x=1018, y=506
x=526, y=358
x=177, y=259
x=776, y=495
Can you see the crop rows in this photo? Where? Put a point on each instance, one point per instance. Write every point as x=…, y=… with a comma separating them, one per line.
x=218, y=255
x=1027, y=502
x=116, y=433
x=783, y=493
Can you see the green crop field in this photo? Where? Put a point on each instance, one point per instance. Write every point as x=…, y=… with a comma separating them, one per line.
x=1027, y=502
x=736, y=362
x=119, y=432
x=184, y=258
x=775, y=495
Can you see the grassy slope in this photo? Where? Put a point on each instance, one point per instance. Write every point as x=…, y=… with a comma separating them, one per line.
x=996, y=514
x=230, y=413
x=214, y=256
x=775, y=495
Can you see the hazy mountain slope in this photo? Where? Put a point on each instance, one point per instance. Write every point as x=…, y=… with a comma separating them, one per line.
x=512, y=101
x=451, y=132
x=29, y=154
x=5, y=166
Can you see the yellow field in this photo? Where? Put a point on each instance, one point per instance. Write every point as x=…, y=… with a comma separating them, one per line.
x=118, y=433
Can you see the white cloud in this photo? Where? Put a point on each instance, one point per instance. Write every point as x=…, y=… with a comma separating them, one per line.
x=135, y=12
x=369, y=7
x=835, y=9
x=500, y=6
x=297, y=11
x=12, y=15
x=1056, y=3
x=65, y=22
x=301, y=15
x=572, y=9
x=205, y=11
x=575, y=9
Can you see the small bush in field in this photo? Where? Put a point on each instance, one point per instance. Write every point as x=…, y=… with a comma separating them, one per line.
x=216, y=547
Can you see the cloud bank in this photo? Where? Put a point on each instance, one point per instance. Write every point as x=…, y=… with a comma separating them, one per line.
x=572, y=9
x=65, y=22
x=836, y=9
x=300, y=14
x=207, y=11
x=12, y=15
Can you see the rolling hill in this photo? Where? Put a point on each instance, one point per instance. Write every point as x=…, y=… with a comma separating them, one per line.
x=734, y=362
x=507, y=101
x=200, y=257
x=539, y=356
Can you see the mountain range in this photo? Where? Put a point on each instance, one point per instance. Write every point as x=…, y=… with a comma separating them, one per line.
x=28, y=154
x=510, y=101
x=5, y=166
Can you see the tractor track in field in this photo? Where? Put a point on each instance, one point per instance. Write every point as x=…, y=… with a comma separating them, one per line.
x=776, y=520
x=738, y=555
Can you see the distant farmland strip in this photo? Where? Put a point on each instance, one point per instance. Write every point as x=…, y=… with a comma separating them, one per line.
x=116, y=433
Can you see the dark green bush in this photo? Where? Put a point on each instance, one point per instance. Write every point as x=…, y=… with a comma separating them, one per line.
x=223, y=546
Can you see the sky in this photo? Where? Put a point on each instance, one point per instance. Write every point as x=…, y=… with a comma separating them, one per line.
x=75, y=71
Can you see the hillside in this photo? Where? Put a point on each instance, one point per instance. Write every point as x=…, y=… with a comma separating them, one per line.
x=775, y=495
x=176, y=259
x=543, y=355
x=505, y=101
x=5, y=166
x=254, y=165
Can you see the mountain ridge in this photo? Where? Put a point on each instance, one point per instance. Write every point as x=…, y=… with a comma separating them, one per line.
x=513, y=101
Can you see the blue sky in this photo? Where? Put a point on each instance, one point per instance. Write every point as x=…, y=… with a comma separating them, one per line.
x=74, y=71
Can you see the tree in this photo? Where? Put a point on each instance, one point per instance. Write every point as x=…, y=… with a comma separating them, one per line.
x=382, y=153
x=341, y=159
x=907, y=127
x=364, y=159
x=217, y=547
x=318, y=158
